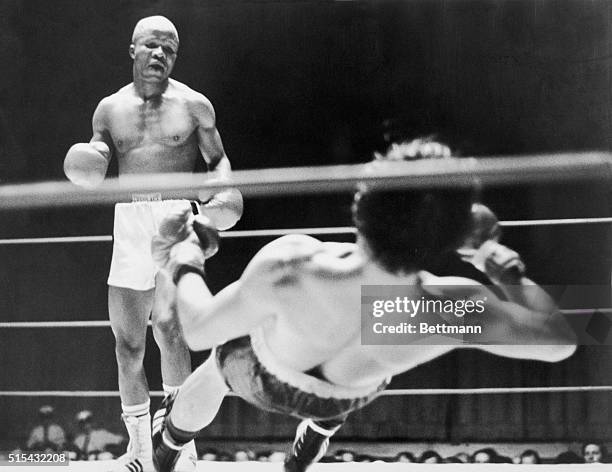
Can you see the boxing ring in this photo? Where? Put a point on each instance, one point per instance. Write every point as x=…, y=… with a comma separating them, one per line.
x=585, y=167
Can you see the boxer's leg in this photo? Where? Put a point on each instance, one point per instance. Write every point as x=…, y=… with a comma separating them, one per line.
x=174, y=353
x=183, y=414
x=129, y=313
x=311, y=442
x=175, y=358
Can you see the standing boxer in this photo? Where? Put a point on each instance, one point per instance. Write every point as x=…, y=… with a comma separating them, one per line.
x=153, y=125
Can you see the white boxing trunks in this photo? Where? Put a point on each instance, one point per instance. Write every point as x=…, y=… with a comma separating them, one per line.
x=135, y=225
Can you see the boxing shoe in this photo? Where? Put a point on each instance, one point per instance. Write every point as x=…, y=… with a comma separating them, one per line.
x=309, y=446
x=139, y=455
x=165, y=454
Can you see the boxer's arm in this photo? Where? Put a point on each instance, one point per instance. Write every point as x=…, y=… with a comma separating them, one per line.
x=224, y=208
x=207, y=321
x=506, y=269
x=270, y=277
x=527, y=333
x=86, y=164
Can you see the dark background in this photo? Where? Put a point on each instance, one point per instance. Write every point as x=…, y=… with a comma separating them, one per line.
x=314, y=83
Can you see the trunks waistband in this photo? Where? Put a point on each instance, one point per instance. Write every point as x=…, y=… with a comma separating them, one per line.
x=303, y=381
x=146, y=197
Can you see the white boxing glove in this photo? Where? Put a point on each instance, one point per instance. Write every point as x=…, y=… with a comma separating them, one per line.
x=86, y=163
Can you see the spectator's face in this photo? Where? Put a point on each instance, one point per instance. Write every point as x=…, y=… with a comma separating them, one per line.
x=482, y=458
x=241, y=456
x=277, y=456
x=347, y=457
x=529, y=459
x=209, y=456
x=431, y=460
x=404, y=458
x=592, y=453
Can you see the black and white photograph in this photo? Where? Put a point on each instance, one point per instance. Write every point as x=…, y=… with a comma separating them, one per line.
x=306, y=235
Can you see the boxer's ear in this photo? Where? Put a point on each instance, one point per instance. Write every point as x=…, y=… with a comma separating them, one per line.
x=131, y=50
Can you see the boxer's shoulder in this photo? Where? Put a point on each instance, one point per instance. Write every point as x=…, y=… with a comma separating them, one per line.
x=283, y=259
x=289, y=248
x=189, y=96
x=117, y=101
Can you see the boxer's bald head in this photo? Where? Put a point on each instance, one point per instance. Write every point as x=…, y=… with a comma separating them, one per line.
x=154, y=50
x=154, y=23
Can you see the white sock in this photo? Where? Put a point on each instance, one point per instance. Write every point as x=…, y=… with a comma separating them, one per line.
x=137, y=410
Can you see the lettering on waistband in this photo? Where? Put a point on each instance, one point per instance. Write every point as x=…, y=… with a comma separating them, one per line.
x=146, y=197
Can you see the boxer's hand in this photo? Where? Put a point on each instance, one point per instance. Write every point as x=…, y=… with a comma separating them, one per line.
x=86, y=163
x=183, y=240
x=501, y=264
x=207, y=235
x=186, y=253
x=173, y=229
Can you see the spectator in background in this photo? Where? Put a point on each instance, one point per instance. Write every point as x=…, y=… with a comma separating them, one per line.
x=569, y=457
x=344, y=455
x=431, y=457
x=276, y=456
x=594, y=452
x=91, y=441
x=530, y=456
x=487, y=455
x=405, y=456
x=47, y=435
x=209, y=454
x=242, y=455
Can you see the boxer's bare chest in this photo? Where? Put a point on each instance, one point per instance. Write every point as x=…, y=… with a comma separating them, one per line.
x=154, y=136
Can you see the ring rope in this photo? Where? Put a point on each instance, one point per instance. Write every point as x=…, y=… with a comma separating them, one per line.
x=426, y=173
x=384, y=393
x=560, y=221
x=262, y=233
x=225, y=234
x=57, y=240
x=106, y=323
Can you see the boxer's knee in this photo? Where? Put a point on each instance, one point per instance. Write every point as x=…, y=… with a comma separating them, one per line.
x=166, y=329
x=129, y=349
